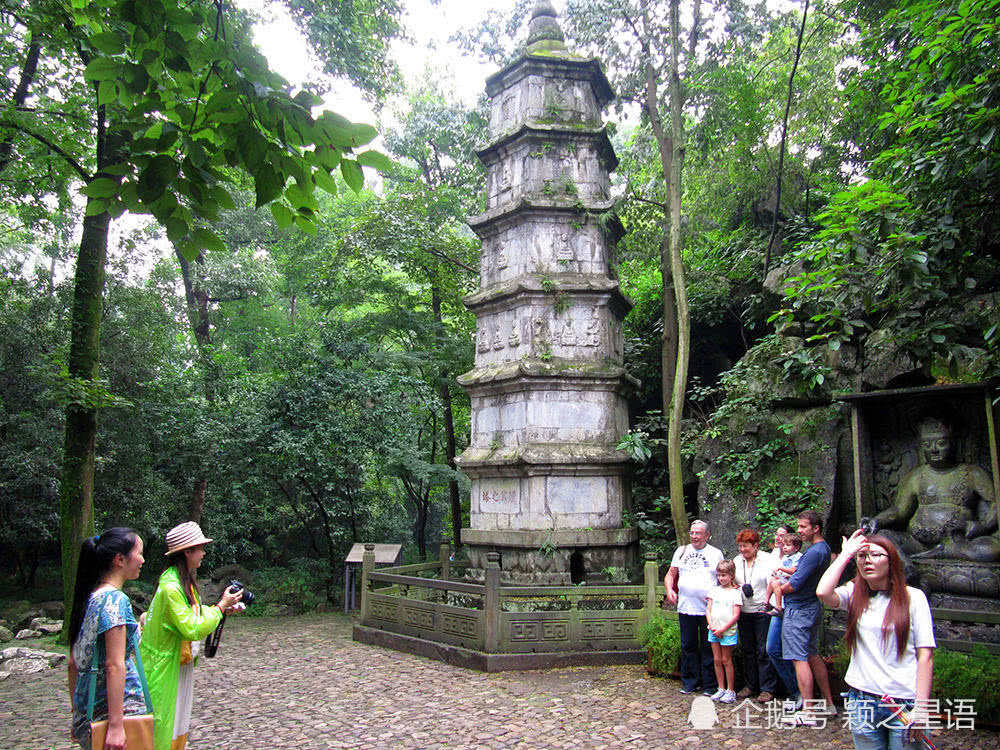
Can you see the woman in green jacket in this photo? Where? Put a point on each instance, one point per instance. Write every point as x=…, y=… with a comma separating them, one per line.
x=171, y=638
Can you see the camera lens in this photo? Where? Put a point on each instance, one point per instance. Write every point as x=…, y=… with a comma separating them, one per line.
x=247, y=599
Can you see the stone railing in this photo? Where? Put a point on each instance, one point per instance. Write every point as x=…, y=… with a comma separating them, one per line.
x=492, y=626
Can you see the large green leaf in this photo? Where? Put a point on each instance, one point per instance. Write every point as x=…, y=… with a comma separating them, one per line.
x=102, y=69
x=267, y=184
x=101, y=187
x=156, y=177
x=377, y=160
x=282, y=214
x=342, y=132
x=108, y=43
x=325, y=181
x=352, y=174
x=206, y=239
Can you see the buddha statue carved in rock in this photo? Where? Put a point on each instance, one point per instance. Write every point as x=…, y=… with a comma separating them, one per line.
x=944, y=509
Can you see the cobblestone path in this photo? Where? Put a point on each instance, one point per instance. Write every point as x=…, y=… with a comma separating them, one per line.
x=302, y=683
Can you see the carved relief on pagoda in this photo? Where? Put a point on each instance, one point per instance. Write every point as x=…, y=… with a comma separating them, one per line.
x=561, y=100
x=545, y=100
x=593, y=333
x=546, y=168
x=560, y=325
x=500, y=180
x=504, y=113
x=549, y=245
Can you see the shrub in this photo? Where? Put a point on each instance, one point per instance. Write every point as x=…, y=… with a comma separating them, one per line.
x=301, y=586
x=662, y=638
x=962, y=675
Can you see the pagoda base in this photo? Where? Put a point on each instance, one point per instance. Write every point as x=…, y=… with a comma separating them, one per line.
x=549, y=557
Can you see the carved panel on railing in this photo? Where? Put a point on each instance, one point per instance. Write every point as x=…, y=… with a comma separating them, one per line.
x=604, y=629
x=418, y=618
x=534, y=630
x=465, y=627
x=383, y=611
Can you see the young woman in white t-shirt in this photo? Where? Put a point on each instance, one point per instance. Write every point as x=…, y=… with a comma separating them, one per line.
x=722, y=612
x=891, y=638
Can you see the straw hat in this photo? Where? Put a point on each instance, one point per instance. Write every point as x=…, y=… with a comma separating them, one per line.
x=188, y=534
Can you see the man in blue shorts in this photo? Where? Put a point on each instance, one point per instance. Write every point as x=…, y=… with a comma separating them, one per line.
x=804, y=612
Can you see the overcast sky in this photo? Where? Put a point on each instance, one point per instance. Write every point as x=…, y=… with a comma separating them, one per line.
x=428, y=25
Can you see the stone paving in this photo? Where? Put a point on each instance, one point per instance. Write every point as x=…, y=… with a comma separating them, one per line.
x=302, y=683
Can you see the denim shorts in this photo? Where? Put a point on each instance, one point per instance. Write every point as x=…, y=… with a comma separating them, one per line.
x=800, y=631
x=726, y=640
x=874, y=725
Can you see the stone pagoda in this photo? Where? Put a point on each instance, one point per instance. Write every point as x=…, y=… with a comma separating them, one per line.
x=548, y=389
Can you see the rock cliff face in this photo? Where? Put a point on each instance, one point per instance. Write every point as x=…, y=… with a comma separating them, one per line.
x=778, y=447
x=772, y=452
x=549, y=390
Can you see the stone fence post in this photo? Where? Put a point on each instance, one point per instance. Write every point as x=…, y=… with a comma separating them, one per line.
x=444, y=555
x=367, y=566
x=651, y=575
x=491, y=603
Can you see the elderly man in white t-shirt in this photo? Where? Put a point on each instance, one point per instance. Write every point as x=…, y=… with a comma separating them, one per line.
x=692, y=570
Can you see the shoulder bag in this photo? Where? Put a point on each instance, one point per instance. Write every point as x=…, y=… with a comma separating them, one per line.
x=138, y=727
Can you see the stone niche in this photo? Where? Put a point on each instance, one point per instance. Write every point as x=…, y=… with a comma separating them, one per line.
x=886, y=448
x=884, y=433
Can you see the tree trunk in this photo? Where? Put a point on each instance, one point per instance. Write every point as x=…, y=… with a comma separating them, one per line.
x=781, y=153
x=449, y=431
x=679, y=386
x=673, y=290
x=420, y=527
x=76, y=487
x=197, y=314
x=28, y=70
x=668, y=339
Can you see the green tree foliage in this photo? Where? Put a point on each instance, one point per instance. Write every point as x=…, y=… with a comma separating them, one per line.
x=175, y=95
x=414, y=260
x=352, y=38
x=901, y=251
x=29, y=418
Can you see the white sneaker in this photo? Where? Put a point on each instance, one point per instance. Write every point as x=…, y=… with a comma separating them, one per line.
x=719, y=694
x=729, y=696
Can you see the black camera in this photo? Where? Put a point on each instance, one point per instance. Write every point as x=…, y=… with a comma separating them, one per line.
x=235, y=585
x=212, y=642
x=747, y=590
x=868, y=526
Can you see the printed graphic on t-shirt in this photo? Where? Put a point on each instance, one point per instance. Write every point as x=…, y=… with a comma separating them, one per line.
x=695, y=559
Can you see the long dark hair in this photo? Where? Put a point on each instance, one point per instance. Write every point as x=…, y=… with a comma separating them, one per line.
x=189, y=579
x=97, y=553
x=897, y=615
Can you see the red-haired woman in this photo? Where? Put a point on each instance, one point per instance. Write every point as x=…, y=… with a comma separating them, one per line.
x=753, y=571
x=891, y=638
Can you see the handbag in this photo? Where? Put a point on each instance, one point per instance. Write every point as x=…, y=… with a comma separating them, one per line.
x=138, y=727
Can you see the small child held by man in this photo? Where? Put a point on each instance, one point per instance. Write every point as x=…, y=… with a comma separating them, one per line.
x=791, y=551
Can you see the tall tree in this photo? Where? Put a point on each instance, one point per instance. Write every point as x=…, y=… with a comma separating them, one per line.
x=175, y=94
x=649, y=55
x=440, y=136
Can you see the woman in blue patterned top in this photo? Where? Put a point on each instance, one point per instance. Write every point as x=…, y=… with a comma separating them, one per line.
x=101, y=608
